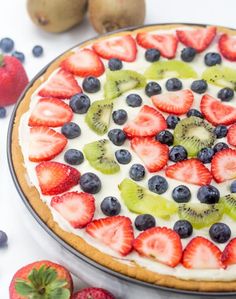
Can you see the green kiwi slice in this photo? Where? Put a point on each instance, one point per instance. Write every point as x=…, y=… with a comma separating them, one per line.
x=229, y=205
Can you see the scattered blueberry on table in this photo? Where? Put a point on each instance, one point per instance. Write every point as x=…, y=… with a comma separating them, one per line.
x=3, y=238
x=19, y=55
x=3, y=112
x=6, y=44
x=37, y=51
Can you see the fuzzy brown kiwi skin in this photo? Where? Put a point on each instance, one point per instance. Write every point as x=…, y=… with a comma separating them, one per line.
x=109, y=15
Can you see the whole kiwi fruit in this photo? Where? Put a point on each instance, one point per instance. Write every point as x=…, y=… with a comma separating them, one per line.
x=56, y=15
x=109, y=15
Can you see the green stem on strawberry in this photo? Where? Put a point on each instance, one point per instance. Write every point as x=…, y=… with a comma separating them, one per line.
x=1, y=60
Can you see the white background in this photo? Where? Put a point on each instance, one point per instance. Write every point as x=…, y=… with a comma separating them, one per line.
x=15, y=23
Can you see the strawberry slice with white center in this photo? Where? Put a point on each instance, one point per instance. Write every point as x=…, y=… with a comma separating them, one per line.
x=161, y=244
x=216, y=112
x=223, y=165
x=61, y=85
x=115, y=232
x=148, y=122
x=227, y=46
x=55, y=178
x=121, y=47
x=165, y=43
x=50, y=112
x=189, y=171
x=76, y=207
x=84, y=63
x=45, y=144
x=177, y=102
x=200, y=253
x=231, y=135
x=199, y=39
x=229, y=254
x=153, y=153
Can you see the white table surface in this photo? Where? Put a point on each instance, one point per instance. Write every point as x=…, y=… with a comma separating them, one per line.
x=14, y=22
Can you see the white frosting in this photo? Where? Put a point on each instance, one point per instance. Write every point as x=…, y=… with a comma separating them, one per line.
x=110, y=182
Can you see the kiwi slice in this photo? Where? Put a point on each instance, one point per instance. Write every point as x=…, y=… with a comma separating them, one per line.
x=118, y=82
x=221, y=76
x=199, y=214
x=194, y=133
x=168, y=69
x=101, y=157
x=228, y=203
x=98, y=116
x=141, y=201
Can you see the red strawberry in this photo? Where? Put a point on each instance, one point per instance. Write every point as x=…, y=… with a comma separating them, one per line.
x=50, y=112
x=148, y=122
x=55, y=178
x=190, y=171
x=227, y=46
x=116, y=232
x=165, y=43
x=93, y=293
x=153, y=154
x=121, y=47
x=216, y=112
x=77, y=208
x=160, y=243
x=223, y=165
x=42, y=275
x=198, y=39
x=84, y=63
x=13, y=80
x=200, y=253
x=177, y=102
x=231, y=135
x=61, y=85
x=45, y=144
x=229, y=254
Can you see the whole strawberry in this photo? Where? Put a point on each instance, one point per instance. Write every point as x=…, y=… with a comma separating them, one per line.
x=13, y=80
x=93, y=293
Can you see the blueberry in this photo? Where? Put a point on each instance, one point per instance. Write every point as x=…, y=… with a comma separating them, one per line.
x=212, y=58
x=181, y=194
x=173, y=84
x=144, y=222
x=123, y=156
x=205, y=155
x=3, y=112
x=233, y=187
x=90, y=182
x=220, y=146
x=220, y=232
x=6, y=44
x=152, y=88
x=178, y=153
x=208, y=194
x=225, y=94
x=183, y=228
x=152, y=55
x=71, y=130
x=115, y=64
x=79, y=103
x=137, y=172
x=157, y=184
x=172, y=121
x=220, y=131
x=165, y=137
x=73, y=157
x=3, y=238
x=110, y=206
x=19, y=55
x=199, y=86
x=188, y=54
x=37, y=51
x=117, y=136
x=194, y=112
x=119, y=116
x=134, y=100
x=91, y=84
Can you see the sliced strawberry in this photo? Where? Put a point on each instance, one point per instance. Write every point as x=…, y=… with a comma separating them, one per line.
x=45, y=144
x=50, y=112
x=84, y=63
x=227, y=46
x=177, y=102
x=160, y=243
x=55, y=178
x=231, y=135
x=121, y=47
x=148, y=122
x=61, y=85
x=223, y=165
x=77, y=208
x=198, y=39
x=200, y=253
x=216, y=112
x=116, y=232
x=165, y=43
x=190, y=171
x=153, y=154
x=229, y=254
